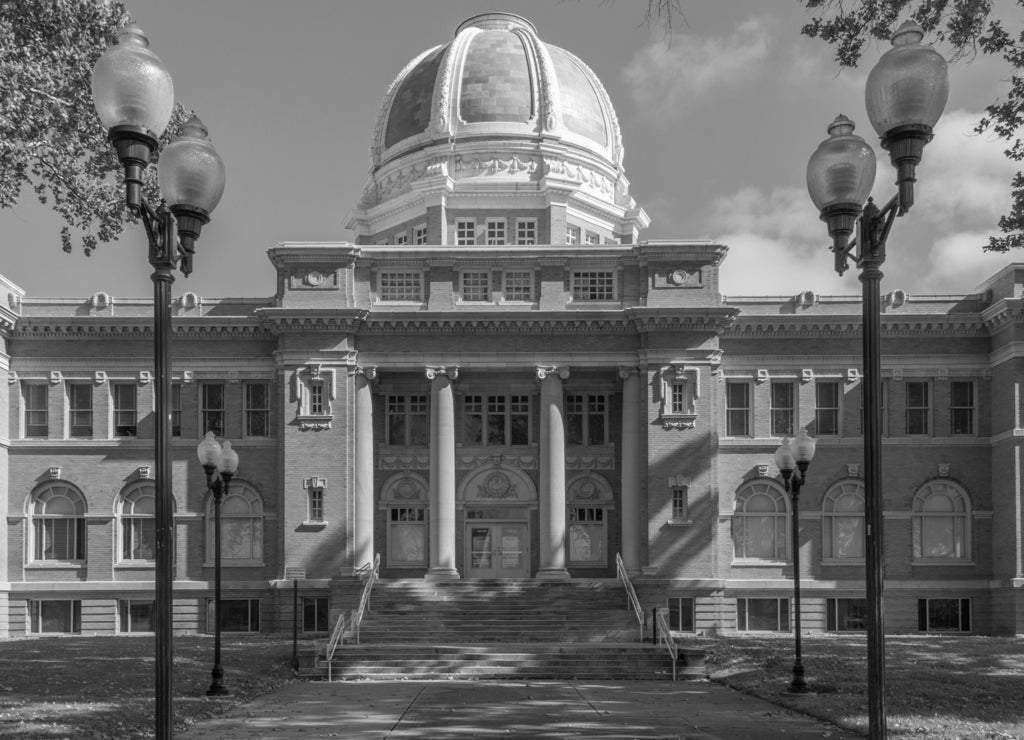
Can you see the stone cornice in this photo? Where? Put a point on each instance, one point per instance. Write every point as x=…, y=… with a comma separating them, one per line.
x=847, y=326
x=1003, y=313
x=282, y=320
x=103, y=327
x=285, y=253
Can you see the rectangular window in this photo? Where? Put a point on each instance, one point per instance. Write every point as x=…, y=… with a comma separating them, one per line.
x=680, y=399
x=593, y=285
x=138, y=538
x=681, y=614
x=526, y=231
x=588, y=536
x=176, y=410
x=917, y=407
x=80, y=407
x=680, y=504
x=944, y=615
x=572, y=234
x=465, y=232
x=407, y=421
x=125, y=410
x=783, y=403
x=586, y=419
x=846, y=615
x=134, y=616
x=961, y=407
x=592, y=238
x=52, y=616
x=315, y=614
x=315, y=511
x=407, y=536
x=517, y=285
x=419, y=234
x=211, y=412
x=826, y=408
x=495, y=232
x=402, y=237
x=236, y=615
x=316, y=399
x=737, y=409
x=257, y=409
x=762, y=615
x=37, y=414
x=496, y=420
x=60, y=538
x=401, y=285
x=475, y=286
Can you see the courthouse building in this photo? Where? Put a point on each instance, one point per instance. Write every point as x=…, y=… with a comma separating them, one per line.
x=498, y=377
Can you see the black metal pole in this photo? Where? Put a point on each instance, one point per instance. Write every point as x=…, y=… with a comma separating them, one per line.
x=163, y=278
x=220, y=489
x=295, y=624
x=798, y=685
x=872, y=257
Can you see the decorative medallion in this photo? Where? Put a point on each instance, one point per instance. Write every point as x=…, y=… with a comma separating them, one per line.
x=678, y=277
x=314, y=278
x=497, y=485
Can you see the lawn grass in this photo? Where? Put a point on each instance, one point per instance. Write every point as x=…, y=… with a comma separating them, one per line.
x=940, y=687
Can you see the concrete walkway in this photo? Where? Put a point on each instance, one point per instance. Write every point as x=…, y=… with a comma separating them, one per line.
x=687, y=710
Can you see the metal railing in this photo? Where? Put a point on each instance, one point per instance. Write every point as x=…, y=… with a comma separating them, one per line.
x=354, y=617
x=634, y=602
x=666, y=637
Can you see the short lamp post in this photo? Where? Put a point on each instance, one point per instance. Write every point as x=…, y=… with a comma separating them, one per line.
x=134, y=97
x=222, y=462
x=793, y=458
x=906, y=93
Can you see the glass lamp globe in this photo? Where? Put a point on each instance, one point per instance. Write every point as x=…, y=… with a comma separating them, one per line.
x=209, y=451
x=131, y=86
x=785, y=461
x=803, y=447
x=229, y=459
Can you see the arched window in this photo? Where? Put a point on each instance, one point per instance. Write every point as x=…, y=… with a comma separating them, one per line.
x=759, y=522
x=941, y=522
x=58, y=523
x=842, y=521
x=137, y=526
x=241, y=526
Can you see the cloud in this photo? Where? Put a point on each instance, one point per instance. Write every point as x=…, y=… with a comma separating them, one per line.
x=760, y=265
x=665, y=77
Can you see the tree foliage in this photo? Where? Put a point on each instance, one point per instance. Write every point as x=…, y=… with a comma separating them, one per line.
x=51, y=140
x=966, y=28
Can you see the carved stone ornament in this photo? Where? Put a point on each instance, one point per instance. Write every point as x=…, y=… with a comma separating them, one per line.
x=313, y=278
x=497, y=486
x=56, y=377
x=806, y=375
x=145, y=472
x=315, y=423
x=589, y=462
x=314, y=482
x=54, y=472
x=853, y=470
x=852, y=375
x=145, y=377
x=368, y=371
x=12, y=377
x=232, y=376
x=407, y=489
x=190, y=300
x=761, y=375
x=543, y=371
x=805, y=299
x=101, y=300
x=188, y=376
x=896, y=298
x=434, y=371
x=14, y=301
x=762, y=470
x=943, y=470
x=99, y=377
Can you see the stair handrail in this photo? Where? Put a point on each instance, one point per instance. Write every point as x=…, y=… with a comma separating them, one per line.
x=334, y=641
x=664, y=636
x=634, y=602
x=364, y=600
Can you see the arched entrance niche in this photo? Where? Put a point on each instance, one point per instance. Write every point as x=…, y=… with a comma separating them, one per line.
x=589, y=502
x=404, y=501
x=496, y=501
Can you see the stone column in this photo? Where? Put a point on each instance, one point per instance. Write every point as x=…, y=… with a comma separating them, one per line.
x=552, y=473
x=442, y=474
x=631, y=431
x=362, y=551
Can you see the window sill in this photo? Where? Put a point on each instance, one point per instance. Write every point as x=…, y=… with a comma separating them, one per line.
x=315, y=423
x=55, y=565
x=225, y=563
x=760, y=563
x=320, y=524
x=842, y=561
x=678, y=421
x=679, y=523
x=135, y=565
x=942, y=562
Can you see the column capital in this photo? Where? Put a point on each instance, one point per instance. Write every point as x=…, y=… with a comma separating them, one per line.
x=543, y=371
x=626, y=372
x=433, y=371
x=367, y=371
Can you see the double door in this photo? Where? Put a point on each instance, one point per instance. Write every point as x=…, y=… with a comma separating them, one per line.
x=498, y=549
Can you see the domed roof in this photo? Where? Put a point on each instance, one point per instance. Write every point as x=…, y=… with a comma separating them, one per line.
x=496, y=80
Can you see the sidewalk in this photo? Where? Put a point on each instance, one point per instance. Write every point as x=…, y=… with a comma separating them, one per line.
x=513, y=709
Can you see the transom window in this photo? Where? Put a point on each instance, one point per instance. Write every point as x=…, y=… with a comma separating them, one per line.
x=759, y=522
x=37, y=415
x=58, y=523
x=401, y=285
x=257, y=409
x=783, y=401
x=918, y=407
x=496, y=420
x=138, y=525
x=526, y=231
x=517, y=285
x=737, y=409
x=826, y=408
x=241, y=526
x=842, y=521
x=465, y=232
x=495, y=232
x=586, y=419
x=961, y=407
x=211, y=410
x=407, y=420
x=475, y=286
x=593, y=285
x=125, y=409
x=941, y=523
x=80, y=406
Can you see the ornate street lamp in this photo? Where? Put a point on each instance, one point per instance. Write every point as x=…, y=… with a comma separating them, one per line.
x=905, y=95
x=134, y=97
x=221, y=460
x=795, y=456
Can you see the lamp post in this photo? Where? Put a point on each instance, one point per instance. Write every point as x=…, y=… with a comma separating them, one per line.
x=223, y=460
x=134, y=97
x=905, y=95
x=795, y=457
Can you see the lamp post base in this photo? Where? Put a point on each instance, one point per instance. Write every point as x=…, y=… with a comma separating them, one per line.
x=798, y=685
x=217, y=687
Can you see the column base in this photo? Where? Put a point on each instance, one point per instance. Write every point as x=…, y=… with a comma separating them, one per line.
x=553, y=574
x=435, y=575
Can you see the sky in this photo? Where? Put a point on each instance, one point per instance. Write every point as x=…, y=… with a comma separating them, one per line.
x=717, y=123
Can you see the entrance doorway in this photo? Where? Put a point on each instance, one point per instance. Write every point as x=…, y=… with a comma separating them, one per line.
x=498, y=549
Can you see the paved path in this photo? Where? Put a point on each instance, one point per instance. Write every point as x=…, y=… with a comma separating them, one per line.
x=687, y=710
